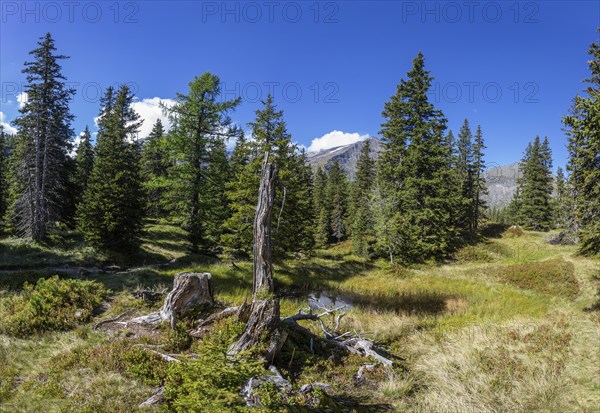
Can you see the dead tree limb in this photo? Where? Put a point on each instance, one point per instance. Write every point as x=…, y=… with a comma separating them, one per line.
x=156, y=398
x=350, y=342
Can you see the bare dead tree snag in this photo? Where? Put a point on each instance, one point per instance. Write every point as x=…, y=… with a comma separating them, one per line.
x=263, y=266
x=264, y=316
x=190, y=290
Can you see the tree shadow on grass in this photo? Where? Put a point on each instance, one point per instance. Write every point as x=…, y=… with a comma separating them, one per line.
x=312, y=274
x=24, y=255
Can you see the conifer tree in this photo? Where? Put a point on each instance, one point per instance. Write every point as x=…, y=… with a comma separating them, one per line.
x=321, y=208
x=84, y=162
x=362, y=224
x=240, y=156
x=562, y=199
x=534, y=205
x=337, y=198
x=154, y=168
x=111, y=214
x=479, y=184
x=416, y=172
x=583, y=130
x=3, y=175
x=43, y=144
x=200, y=123
x=217, y=209
x=291, y=224
x=465, y=172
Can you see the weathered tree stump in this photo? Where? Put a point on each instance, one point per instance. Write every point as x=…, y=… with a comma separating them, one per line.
x=263, y=324
x=190, y=290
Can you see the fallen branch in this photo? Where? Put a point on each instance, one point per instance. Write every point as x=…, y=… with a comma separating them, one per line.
x=359, y=377
x=154, y=399
x=348, y=341
x=165, y=357
x=112, y=320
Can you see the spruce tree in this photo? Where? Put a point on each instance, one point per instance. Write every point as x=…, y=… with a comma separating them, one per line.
x=583, y=130
x=216, y=209
x=3, y=175
x=154, y=168
x=291, y=224
x=240, y=156
x=362, y=224
x=337, y=198
x=43, y=144
x=111, y=214
x=465, y=174
x=562, y=198
x=84, y=162
x=200, y=123
x=320, y=208
x=416, y=174
x=479, y=184
x=534, y=205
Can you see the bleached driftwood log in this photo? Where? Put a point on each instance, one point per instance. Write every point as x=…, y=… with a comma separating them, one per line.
x=190, y=290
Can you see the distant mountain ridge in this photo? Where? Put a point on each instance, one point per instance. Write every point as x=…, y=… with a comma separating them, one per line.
x=347, y=155
x=501, y=180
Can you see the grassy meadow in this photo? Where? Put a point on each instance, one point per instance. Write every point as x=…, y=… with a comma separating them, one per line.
x=512, y=324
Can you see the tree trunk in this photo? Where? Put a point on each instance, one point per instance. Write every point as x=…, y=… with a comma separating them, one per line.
x=263, y=268
x=264, y=313
x=190, y=290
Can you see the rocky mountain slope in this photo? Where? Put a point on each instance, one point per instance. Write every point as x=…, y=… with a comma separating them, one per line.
x=347, y=155
x=501, y=179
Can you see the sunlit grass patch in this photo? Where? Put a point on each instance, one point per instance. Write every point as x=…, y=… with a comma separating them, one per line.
x=516, y=366
x=554, y=276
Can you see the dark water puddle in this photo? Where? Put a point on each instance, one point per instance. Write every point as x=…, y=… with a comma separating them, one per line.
x=402, y=303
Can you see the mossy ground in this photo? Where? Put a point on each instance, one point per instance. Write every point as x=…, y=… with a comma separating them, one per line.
x=511, y=325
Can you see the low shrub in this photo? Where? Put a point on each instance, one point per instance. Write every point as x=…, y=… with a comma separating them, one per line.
x=473, y=253
x=514, y=232
x=178, y=339
x=52, y=304
x=212, y=381
x=555, y=276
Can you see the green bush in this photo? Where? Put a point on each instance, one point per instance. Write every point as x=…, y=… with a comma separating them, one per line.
x=121, y=356
x=52, y=304
x=472, y=253
x=178, y=339
x=149, y=368
x=554, y=277
x=514, y=232
x=212, y=382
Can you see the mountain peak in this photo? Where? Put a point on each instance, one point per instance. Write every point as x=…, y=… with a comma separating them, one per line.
x=347, y=155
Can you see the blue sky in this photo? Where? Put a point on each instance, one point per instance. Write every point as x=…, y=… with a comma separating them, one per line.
x=512, y=67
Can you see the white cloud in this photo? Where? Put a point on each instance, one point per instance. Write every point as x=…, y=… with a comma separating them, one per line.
x=7, y=128
x=22, y=98
x=150, y=111
x=76, y=143
x=333, y=139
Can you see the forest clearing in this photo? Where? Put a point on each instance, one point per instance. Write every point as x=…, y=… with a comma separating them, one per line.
x=488, y=332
